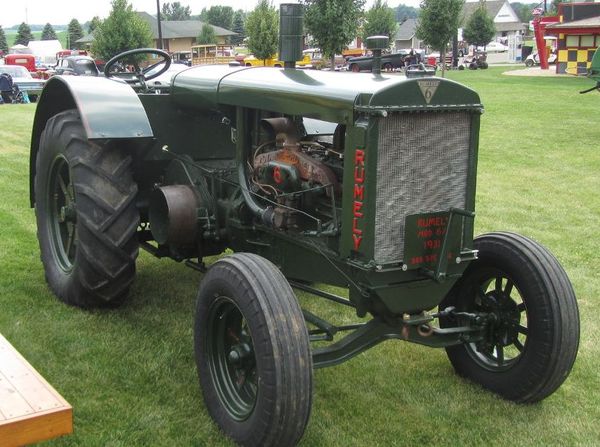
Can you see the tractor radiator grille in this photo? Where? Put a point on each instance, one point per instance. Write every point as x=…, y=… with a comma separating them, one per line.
x=422, y=166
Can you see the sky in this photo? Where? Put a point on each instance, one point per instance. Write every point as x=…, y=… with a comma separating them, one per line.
x=60, y=12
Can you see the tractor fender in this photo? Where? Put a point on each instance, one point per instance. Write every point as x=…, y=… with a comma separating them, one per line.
x=109, y=109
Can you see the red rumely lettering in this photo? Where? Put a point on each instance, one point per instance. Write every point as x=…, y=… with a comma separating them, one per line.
x=359, y=191
x=359, y=174
x=357, y=207
x=359, y=157
x=359, y=196
x=357, y=240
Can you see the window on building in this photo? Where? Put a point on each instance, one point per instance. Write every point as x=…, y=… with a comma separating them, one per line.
x=572, y=41
x=587, y=41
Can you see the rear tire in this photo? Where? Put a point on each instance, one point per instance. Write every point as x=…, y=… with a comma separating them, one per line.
x=252, y=352
x=354, y=68
x=528, y=63
x=530, y=348
x=86, y=215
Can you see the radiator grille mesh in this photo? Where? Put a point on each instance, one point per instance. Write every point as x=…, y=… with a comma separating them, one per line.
x=422, y=167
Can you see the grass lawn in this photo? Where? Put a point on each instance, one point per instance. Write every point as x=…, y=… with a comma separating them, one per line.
x=130, y=374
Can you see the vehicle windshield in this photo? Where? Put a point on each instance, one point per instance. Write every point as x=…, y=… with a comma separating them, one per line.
x=15, y=71
x=85, y=67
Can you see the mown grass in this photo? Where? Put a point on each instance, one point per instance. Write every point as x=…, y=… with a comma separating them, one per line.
x=130, y=375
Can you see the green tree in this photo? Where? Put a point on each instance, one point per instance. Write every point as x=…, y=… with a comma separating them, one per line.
x=23, y=35
x=175, y=11
x=48, y=32
x=480, y=28
x=207, y=35
x=380, y=20
x=438, y=24
x=404, y=12
x=74, y=32
x=3, y=43
x=239, y=27
x=219, y=16
x=94, y=23
x=262, y=29
x=333, y=24
x=122, y=30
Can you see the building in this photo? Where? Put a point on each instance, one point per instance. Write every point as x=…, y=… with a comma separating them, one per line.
x=405, y=37
x=177, y=35
x=505, y=18
x=578, y=36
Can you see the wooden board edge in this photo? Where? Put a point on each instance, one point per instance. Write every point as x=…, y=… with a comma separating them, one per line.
x=46, y=426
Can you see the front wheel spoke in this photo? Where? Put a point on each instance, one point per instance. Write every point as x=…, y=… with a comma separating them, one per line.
x=70, y=239
x=63, y=186
x=521, y=307
x=500, y=354
x=498, y=284
x=508, y=288
x=522, y=329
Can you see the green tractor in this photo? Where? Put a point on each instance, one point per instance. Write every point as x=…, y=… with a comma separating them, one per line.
x=361, y=181
x=594, y=72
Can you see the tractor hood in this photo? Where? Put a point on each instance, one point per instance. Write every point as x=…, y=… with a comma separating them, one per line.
x=327, y=96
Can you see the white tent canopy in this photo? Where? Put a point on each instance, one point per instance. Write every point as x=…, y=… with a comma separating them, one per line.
x=19, y=49
x=45, y=50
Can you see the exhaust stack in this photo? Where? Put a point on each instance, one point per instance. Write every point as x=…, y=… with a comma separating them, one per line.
x=290, y=33
x=376, y=44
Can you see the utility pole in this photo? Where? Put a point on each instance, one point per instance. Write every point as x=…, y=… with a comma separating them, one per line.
x=160, y=42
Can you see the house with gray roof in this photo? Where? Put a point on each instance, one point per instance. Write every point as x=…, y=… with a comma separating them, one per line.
x=405, y=37
x=505, y=18
x=177, y=35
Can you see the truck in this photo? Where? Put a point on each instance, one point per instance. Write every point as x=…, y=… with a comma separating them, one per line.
x=389, y=62
x=299, y=178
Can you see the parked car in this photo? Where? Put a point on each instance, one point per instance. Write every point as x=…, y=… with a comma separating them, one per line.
x=494, y=47
x=24, y=81
x=76, y=66
x=388, y=62
x=28, y=61
x=274, y=61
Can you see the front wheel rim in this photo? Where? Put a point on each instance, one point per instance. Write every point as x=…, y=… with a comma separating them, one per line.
x=62, y=214
x=231, y=358
x=505, y=336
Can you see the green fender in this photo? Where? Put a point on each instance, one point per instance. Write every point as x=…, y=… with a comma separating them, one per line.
x=594, y=71
x=109, y=110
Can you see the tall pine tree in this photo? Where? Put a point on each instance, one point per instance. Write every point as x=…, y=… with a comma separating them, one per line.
x=75, y=33
x=94, y=23
x=48, y=32
x=23, y=35
x=3, y=43
x=239, y=27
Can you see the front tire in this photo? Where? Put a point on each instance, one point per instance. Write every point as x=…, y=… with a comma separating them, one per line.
x=86, y=215
x=530, y=345
x=252, y=352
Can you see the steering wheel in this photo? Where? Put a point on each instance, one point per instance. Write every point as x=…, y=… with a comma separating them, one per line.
x=139, y=73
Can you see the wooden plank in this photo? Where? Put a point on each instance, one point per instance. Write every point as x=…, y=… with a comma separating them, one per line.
x=31, y=410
